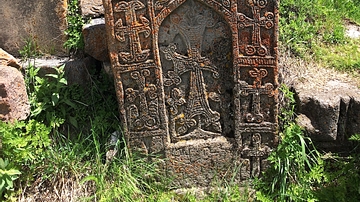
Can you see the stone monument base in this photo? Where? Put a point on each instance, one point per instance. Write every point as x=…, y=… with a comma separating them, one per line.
x=202, y=163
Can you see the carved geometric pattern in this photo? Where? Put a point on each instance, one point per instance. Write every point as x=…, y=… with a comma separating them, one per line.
x=197, y=82
x=193, y=107
x=198, y=111
x=132, y=28
x=255, y=151
x=144, y=113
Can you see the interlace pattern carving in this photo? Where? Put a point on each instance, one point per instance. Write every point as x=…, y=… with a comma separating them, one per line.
x=256, y=22
x=132, y=28
x=197, y=113
x=255, y=151
x=146, y=115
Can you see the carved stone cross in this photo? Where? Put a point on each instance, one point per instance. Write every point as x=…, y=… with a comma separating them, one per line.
x=255, y=151
x=132, y=28
x=256, y=22
x=196, y=82
x=256, y=90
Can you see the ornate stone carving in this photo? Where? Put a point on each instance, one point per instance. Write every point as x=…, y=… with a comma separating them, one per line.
x=197, y=82
x=189, y=96
x=143, y=115
x=256, y=90
x=197, y=111
x=254, y=150
x=258, y=21
x=132, y=28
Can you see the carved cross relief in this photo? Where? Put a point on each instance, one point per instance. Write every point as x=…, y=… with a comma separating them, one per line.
x=254, y=150
x=195, y=69
x=193, y=108
x=256, y=90
x=132, y=28
x=258, y=21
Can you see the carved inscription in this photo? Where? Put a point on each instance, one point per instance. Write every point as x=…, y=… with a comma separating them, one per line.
x=132, y=28
x=258, y=21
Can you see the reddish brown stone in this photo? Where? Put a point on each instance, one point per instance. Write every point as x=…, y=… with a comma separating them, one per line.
x=197, y=82
x=95, y=42
x=91, y=8
x=8, y=60
x=14, y=103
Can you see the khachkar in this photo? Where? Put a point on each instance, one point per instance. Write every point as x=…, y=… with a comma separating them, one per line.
x=196, y=82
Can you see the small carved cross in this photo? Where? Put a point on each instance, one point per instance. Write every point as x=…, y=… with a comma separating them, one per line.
x=133, y=28
x=145, y=116
x=255, y=152
x=256, y=22
x=256, y=90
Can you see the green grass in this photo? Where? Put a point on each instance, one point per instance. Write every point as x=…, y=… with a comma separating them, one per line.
x=315, y=29
x=62, y=147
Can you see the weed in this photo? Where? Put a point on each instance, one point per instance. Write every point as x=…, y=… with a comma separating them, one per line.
x=24, y=143
x=75, y=21
x=30, y=49
x=8, y=173
x=294, y=163
x=49, y=97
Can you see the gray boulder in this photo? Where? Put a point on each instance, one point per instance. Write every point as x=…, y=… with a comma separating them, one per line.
x=328, y=102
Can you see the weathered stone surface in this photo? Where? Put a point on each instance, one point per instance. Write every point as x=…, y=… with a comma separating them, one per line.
x=95, y=42
x=332, y=113
x=46, y=64
x=14, y=103
x=8, y=60
x=328, y=102
x=41, y=21
x=197, y=82
x=91, y=8
x=77, y=71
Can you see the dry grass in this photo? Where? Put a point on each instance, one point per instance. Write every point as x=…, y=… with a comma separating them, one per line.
x=61, y=189
x=296, y=71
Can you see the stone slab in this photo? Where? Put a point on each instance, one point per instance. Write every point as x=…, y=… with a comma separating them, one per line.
x=196, y=82
x=95, y=42
x=40, y=21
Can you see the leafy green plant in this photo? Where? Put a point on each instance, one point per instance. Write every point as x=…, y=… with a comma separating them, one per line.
x=49, y=97
x=7, y=176
x=342, y=177
x=29, y=50
x=74, y=31
x=23, y=143
x=295, y=163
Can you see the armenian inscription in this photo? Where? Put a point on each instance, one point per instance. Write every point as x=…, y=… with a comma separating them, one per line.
x=197, y=82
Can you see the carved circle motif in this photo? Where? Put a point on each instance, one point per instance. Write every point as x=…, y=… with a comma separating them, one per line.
x=226, y=3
